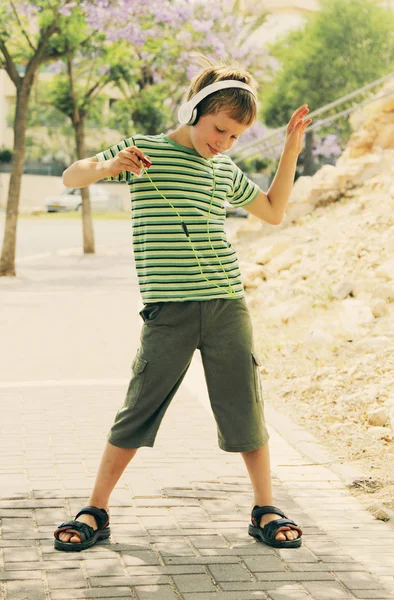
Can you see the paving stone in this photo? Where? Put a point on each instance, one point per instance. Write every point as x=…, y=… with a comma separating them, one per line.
x=326, y=566
x=44, y=565
x=237, y=550
x=12, y=555
x=359, y=581
x=66, y=579
x=328, y=591
x=140, y=558
x=94, y=593
x=208, y=541
x=289, y=593
x=203, y=560
x=20, y=590
x=130, y=580
x=152, y=592
x=229, y=573
x=166, y=570
x=194, y=583
x=103, y=567
x=292, y=576
x=268, y=563
x=297, y=555
x=372, y=593
x=177, y=547
x=225, y=596
x=13, y=575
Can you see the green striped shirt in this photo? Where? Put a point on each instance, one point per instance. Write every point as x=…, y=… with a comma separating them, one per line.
x=166, y=264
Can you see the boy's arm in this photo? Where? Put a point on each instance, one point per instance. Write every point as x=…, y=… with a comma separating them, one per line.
x=84, y=172
x=271, y=207
x=88, y=170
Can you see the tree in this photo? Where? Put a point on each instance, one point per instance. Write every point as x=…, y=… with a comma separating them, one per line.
x=140, y=66
x=25, y=34
x=53, y=35
x=342, y=47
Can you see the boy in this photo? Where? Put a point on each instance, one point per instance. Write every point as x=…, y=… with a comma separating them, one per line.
x=191, y=287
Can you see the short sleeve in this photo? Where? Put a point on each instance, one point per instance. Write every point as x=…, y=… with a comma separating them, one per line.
x=113, y=151
x=243, y=190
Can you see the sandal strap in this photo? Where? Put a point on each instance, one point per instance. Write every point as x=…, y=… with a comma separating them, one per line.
x=100, y=514
x=273, y=527
x=82, y=530
x=259, y=511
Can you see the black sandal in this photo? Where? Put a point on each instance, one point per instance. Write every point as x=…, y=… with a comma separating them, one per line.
x=85, y=532
x=267, y=533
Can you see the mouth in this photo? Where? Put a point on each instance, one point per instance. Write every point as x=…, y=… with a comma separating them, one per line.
x=213, y=150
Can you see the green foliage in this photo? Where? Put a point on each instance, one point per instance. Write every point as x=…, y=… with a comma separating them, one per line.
x=149, y=114
x=345, y=45
x=5, y=155
x=253, y=165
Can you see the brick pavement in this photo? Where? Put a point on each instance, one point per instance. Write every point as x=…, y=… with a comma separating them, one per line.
x=180, y=512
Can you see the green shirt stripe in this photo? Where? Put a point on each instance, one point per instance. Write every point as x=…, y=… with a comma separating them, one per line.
x=166, y=264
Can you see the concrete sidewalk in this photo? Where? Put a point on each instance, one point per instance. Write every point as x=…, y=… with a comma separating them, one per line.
x=69, y=328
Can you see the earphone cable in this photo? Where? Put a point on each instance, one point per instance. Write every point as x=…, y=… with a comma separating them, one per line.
x=232, y=293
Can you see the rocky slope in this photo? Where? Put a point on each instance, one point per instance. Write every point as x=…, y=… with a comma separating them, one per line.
x=320, y=288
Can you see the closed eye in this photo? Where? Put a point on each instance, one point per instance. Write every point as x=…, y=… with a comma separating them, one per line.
x=221, y=131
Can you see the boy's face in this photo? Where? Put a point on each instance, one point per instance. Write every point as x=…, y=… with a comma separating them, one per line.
x=215, y=133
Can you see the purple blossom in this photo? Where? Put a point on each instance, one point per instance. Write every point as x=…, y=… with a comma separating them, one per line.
x=328, y=147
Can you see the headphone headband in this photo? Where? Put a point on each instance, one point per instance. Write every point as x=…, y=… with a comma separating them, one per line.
x=187, y=113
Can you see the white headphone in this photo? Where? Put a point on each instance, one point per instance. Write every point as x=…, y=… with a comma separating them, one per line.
x=187, y=113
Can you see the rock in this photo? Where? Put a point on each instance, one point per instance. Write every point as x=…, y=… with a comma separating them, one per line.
x=325, y=187
x=378, y=417
x=366, y=483
x=288, y=311
x=284, y=261
x=320, y=342
x=378, y=511
x=379, y=308
x=344, y=289
x=300, y=203
x=269, y=252
x=384, y=291
x=390, y=409
x=353, y=315
x=386, y=270
x=319, y=337
x=301, y=189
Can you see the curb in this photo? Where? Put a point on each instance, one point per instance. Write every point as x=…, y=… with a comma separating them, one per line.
x=305, y=443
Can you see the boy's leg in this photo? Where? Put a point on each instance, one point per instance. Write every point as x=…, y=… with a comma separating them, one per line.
x=113, y=463
x=168, y=342
x=258, y=465
x=232, y=372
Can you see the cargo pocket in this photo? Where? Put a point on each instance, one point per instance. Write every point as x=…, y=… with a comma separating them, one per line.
x=257, y=377
x=137, y=381
x=151, y=311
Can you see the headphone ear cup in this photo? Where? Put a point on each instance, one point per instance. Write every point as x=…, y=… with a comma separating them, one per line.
x=194, y=118
x=184, y=113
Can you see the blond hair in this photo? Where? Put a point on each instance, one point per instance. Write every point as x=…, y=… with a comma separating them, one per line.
x=240, y=104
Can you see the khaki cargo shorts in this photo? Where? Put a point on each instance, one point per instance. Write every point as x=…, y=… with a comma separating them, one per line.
x=221, y=329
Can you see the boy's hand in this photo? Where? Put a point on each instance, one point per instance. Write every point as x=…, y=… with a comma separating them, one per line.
x=295, y=130
x=128, y=159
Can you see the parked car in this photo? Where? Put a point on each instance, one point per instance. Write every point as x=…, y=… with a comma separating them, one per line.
x=233, y=211
x=71, y=199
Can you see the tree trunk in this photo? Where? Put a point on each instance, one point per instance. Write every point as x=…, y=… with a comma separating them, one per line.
x=7, y=261
x=309, y=167
x=87, y=224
